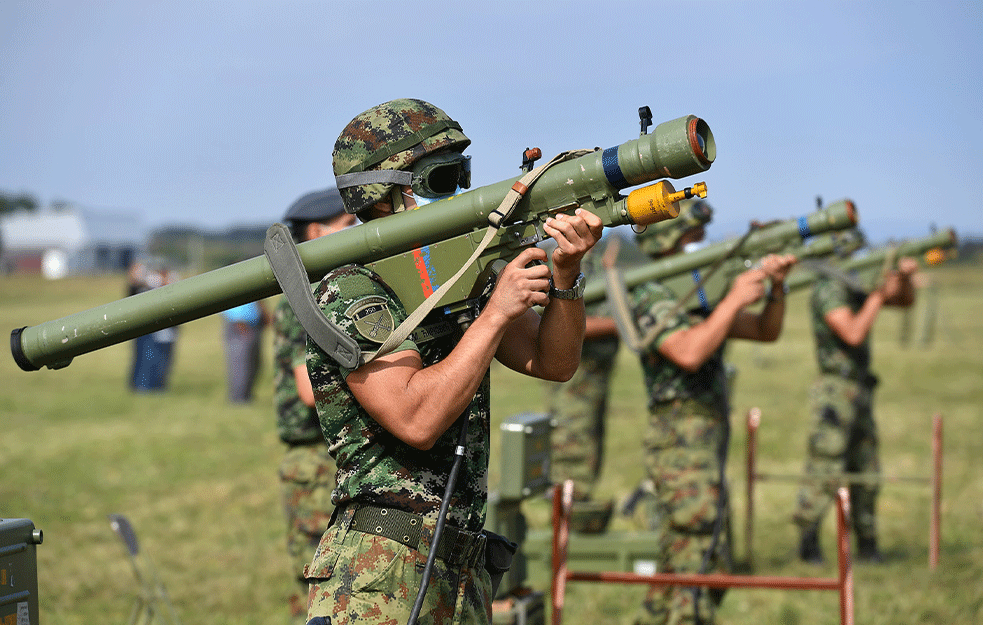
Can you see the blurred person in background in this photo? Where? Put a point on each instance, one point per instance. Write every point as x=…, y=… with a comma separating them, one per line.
x=243, y=330
x=688, y=428
x=307, y=471
x=154, y=352
x=844, y=434
x=578, y=409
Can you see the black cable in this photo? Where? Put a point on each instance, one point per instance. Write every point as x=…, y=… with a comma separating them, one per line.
x=441, y=521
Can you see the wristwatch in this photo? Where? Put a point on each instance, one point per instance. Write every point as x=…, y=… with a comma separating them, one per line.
x=573, y=293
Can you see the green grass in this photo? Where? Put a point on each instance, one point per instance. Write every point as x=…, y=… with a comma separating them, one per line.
x=197, y=476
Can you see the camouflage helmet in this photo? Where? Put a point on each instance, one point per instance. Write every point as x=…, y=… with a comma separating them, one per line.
x=662, y=237
x=386, y=138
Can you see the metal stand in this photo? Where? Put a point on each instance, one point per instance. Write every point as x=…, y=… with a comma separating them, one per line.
x=935, y=481
x=152, y=599
x=563, y=502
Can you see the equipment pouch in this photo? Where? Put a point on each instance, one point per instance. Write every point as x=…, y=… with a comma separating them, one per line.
x=498, y=557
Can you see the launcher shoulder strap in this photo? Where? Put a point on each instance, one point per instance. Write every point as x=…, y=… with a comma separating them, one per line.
x=288, y=268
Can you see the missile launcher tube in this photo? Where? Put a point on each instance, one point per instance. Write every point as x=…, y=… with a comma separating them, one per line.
x=944, y=239
x=836, y=216
x=675, y=149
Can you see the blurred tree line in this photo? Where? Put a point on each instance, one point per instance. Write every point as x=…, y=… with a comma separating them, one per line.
x=13, y=202
x=198, y=251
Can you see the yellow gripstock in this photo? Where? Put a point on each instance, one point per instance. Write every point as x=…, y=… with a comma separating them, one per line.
x=659, y=201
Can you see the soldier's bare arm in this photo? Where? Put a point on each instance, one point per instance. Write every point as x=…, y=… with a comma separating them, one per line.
x=766, y=325
x=689, y=348
x=418, y=404
x=304, y=389
x=548, y=347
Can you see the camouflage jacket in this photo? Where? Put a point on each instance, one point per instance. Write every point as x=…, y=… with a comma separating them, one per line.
x=592, y=266
x=835, y=356
x=651, y=304
x=295, y=422
x=375, y=467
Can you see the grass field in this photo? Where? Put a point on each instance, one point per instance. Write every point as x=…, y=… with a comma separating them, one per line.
x=197, y=476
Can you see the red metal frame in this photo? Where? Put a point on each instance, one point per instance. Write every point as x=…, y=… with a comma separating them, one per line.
x=754, y=420
x=561, y=575
x=934, y=528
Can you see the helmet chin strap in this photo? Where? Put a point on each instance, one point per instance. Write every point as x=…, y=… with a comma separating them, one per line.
x=397, y=199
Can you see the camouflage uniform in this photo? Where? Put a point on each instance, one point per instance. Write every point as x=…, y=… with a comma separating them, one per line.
x=578, y=406
x=685, y=448
x=363, y=577
x=844, y=435
x=307, y=470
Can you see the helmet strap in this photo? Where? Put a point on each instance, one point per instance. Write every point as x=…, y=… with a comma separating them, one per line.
x=396, y=197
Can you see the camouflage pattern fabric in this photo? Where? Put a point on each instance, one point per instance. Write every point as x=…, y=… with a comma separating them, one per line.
x=365, y=142
x=295, y=421
x=843, y=439
x=685, y=448
x=592, y=265
x=374, y=467
x=373, y=574
x=578, y=408
x=651, y=305
x=844, y=434
x=307, y=471
x=833, y=354
x=683, y=457
x=661, y=237
x=307, y=479
x=364, y=578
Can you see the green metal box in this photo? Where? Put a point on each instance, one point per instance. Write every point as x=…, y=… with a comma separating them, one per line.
x=19, y=572
x=525, y=456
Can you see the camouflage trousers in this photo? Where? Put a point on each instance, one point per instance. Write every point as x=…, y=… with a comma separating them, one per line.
x=684, y=451
x=360, y=578
x=843, y=439
x=577, y=408
x=307, y=477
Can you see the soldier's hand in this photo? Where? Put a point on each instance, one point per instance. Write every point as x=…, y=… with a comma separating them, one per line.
x=574, y=235
x=777, y=266
x=748, y=287
x=521, y=285
x=907, y=266
x=891, y=286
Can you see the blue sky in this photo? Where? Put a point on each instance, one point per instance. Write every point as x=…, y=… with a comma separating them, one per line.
x=216, y=113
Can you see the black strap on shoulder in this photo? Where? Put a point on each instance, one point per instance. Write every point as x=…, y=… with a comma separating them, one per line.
x=289, y=270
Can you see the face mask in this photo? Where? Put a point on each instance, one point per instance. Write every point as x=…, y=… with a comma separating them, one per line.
x=423, y=201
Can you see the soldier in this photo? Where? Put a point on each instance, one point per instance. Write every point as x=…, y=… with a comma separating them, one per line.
x=396, y=424
x=307, y=472
x=844, y=434
x=578, y=408
x=686, y=441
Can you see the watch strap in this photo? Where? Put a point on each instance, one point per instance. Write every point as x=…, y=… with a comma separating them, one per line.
x=576, y=292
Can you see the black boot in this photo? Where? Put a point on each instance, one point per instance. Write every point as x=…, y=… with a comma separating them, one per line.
x=809, y=547
x=867, y=551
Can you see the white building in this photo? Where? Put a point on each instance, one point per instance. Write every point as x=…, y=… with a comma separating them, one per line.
x=70, y=241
